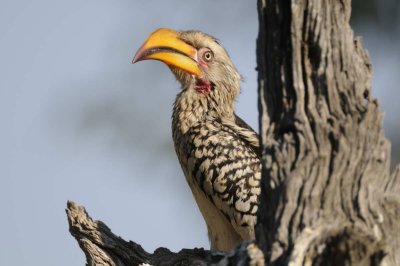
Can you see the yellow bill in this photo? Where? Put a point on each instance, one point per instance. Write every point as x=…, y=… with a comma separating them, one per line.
x=164, y=45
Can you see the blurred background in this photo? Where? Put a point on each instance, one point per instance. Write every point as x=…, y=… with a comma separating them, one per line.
x=79, y=122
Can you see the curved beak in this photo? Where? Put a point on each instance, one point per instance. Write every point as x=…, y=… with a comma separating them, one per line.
x=166, y=46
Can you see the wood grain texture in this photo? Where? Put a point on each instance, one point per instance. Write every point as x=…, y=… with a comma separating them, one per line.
x=102, y=247
x=328, y=192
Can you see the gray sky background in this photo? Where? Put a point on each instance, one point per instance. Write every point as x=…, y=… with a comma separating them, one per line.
x=79, y=122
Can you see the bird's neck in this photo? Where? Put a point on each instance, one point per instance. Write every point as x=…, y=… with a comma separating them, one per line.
x=191, y=108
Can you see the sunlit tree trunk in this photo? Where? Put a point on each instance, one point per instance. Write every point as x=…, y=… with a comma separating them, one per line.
x=329, y=198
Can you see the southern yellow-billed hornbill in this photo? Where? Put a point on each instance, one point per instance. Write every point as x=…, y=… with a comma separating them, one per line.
x=217, y=150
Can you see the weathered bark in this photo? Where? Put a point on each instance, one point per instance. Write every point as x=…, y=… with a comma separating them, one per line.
x=102, y=247
x=328, y=196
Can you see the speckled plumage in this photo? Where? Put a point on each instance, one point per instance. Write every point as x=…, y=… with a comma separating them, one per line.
x=218, y=152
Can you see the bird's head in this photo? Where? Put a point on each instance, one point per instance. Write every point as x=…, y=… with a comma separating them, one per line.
x=198, y=61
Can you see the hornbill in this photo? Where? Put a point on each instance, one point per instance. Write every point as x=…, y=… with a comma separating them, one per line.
x=217, y=150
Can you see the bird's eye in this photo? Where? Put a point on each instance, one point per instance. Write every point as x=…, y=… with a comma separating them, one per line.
x=208, y=56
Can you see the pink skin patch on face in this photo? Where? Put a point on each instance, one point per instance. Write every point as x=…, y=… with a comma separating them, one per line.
x=203, y=64
x=203, y=86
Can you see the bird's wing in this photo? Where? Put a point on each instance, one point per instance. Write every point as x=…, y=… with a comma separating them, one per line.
x=227, y=168
x=245, y=132
x=248, y=132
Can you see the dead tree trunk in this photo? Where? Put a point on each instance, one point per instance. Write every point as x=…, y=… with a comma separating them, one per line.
x=328, y=196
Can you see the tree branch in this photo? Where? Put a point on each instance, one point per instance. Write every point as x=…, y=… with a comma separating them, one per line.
x=102, y=247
